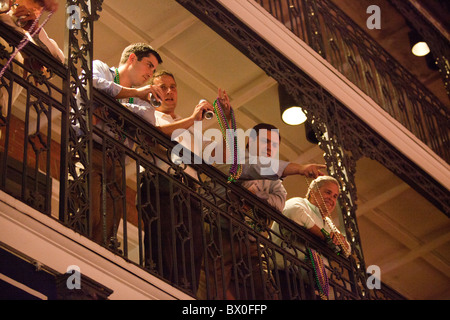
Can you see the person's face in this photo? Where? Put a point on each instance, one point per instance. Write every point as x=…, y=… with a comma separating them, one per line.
x=268, y=144
x=141, y=71
x=169, y=87
x=329, y=192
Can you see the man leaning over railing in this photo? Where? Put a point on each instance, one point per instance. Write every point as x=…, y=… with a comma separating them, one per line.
x=181, y=259
x=261, y=175
x=222, y=280
x=126, y=83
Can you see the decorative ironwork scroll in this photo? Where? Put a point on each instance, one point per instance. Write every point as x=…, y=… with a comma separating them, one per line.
x=75, y=202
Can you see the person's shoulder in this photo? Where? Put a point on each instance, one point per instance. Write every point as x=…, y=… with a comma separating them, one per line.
x=101, y=68
x=294, y=203
x=296, y=200
x=99, y=63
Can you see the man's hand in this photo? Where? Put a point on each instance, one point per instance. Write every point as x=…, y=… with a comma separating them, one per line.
x=312, y=170
x=307, y=170
x=340, y=241
x=224, y=101
x=145, y=91
x=202, y=106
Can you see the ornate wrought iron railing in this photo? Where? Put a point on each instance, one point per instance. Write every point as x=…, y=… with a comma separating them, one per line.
x=193, y=217
x=181, y=223
x=339, y=40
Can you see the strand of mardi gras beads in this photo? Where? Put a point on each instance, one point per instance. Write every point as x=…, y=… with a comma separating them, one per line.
x=236, y=169
x=320, y=274
x=117, y=81
x=229, y=135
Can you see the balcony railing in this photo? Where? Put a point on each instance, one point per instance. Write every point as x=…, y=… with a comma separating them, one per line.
x=185, y=224
x=339, y=40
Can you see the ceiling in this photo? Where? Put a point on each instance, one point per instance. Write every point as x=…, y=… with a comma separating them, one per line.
x=401, y=232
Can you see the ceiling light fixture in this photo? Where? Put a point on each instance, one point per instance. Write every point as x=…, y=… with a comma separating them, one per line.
x=291, y=113
x=418, y=46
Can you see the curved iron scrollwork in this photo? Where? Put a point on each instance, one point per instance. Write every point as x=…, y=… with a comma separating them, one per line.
x=75, y=200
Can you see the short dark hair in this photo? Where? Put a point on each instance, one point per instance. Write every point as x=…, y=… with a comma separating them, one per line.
x=263, y=126
x=141, y=50
x=160, y=74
